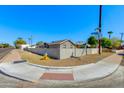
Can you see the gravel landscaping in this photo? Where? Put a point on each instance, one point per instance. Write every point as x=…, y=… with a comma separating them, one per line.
x=35, y=59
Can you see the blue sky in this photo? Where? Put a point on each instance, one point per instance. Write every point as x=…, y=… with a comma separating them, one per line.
x=49, y=23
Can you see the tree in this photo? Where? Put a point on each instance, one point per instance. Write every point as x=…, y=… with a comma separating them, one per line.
x=19, y=41
x=115, y=42
x=92, y=41
x=106, y=43
x=96, y=34
x=110, y=32
x=1, y=45
x=5, y=45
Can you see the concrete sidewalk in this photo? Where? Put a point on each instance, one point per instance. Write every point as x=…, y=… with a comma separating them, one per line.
x=12, y=56
x=22, y=71
x=101, y=69
x=88, y=72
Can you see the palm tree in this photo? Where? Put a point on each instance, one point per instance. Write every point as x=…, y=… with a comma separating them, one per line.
x=110, y=32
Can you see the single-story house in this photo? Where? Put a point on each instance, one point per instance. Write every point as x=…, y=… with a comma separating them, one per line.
x=62, y=49
x=66, y=44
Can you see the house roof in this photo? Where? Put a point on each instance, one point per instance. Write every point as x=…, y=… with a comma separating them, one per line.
x=60, y=42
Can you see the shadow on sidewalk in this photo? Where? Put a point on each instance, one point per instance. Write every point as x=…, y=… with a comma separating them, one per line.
x=1, y=72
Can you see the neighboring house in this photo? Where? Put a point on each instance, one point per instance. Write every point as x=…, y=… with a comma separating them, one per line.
x=40, y=46
x=83, y=45
x=88, y=45
x=24, y=46
x=43, y=45
x=32, y=46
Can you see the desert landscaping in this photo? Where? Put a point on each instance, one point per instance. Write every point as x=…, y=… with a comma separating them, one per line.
x=87, y=59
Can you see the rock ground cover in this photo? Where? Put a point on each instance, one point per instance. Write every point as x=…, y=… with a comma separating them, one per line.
x=87, y=59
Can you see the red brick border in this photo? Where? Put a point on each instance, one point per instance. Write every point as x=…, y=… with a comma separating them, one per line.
x=57, y=76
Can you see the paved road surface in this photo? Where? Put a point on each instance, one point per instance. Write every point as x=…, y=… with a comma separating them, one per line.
x=4, y=51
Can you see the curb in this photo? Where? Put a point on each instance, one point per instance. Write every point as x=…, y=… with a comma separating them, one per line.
x=78, y=76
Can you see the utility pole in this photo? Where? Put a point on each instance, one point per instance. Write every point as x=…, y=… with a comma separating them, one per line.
x=100, y=26
x=31, y=40
x=122, y=37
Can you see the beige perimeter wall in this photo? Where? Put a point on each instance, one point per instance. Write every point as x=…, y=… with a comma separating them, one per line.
x=64, y=53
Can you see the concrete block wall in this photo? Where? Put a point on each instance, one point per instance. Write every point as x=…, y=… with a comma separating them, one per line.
x=61, y=53
x=67, y=53
x=52, y=52
x=118, y=51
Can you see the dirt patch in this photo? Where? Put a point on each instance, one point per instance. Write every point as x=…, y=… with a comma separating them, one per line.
x=87, y=59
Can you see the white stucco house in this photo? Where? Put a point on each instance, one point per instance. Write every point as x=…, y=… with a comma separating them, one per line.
x=23, y=46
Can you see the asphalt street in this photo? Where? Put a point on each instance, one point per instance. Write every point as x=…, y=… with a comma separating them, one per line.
x=4, y=51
